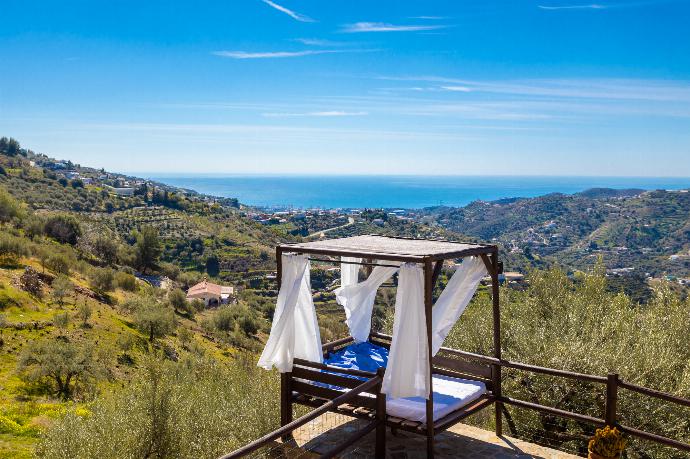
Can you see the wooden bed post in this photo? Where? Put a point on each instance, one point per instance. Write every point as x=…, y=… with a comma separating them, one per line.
x=497, y=342
x=428, y=292
x=285, y=378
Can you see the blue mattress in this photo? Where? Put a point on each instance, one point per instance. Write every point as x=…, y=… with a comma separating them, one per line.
x=359, y=356
x=449, y=393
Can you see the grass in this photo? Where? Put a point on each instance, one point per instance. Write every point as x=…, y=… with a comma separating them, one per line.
x=25, y=413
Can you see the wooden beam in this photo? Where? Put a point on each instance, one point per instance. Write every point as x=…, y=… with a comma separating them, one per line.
x=428, y=304
x=380, y=417
x=497, y=342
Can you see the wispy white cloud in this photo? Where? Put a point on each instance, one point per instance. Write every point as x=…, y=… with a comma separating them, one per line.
x=292, y=14
x=457, y=88
x=602, y=88
x=274, y=54
x=358, y=27
x=591, y=6
x=320, y=42
x=321, y=114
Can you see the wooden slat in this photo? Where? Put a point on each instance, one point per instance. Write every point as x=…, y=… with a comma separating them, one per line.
x=654, y=393
x=458, y=415
x=326, y=378
x=463, y=366
x=345, y=371
x=655, y=438
x=329, y=394
x=394, y=421
x=328, y=347
x=554, y=411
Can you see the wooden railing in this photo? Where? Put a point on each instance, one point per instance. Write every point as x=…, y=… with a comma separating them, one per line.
x=612, y=382
x=379, y=423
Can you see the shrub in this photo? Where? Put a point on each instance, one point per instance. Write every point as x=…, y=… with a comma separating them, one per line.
x=576, y=325
x=12, y=244
x=126, y=281
x=230, y=318
x=198, y=305
x=102, y=279
x=63, y=228
x=105, y=248
x=9, y=207
x=195, y=408
x=59, y=263
x=126, y=255
x=187, y=279
x=62, y=287
x=84, y=312
x=61, y=320
x=11, y=249
x=170, y=270
x=178, y=300
x=34, y=226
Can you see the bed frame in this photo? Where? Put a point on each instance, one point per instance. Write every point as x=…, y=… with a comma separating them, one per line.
x=299, y=386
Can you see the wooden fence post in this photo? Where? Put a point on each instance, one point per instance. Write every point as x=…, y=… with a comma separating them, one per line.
x=611, y=399
x=380, y=417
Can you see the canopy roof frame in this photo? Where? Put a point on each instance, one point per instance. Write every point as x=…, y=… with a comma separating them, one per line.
x=403, y=249
x=408, y=250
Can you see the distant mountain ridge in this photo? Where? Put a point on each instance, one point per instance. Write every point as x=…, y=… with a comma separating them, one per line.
x=646, y=230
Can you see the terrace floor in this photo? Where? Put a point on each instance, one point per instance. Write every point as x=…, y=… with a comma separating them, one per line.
x=460, y=441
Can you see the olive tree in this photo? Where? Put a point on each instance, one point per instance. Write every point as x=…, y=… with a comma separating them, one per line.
x=67, y=366
x=154, y=319
x=62, y=288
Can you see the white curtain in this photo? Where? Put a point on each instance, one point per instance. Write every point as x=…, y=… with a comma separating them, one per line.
x=358, y=301
x=349, y=271
x=295, y=330
x=455, y=298
x=407, y=373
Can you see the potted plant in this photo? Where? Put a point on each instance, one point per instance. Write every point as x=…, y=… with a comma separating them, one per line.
x=607, y=443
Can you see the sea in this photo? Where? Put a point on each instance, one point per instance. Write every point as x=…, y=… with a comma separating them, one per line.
x=405, y=192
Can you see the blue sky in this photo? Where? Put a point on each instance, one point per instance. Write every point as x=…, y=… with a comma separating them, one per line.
x=523, y=87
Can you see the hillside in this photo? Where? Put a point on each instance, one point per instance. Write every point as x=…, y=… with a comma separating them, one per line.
x=648, y=232
x=79, y=321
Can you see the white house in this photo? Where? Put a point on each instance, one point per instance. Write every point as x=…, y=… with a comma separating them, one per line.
x=212, y=294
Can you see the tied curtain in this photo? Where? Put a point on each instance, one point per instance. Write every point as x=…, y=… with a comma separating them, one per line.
x=407, y=374
x=358, y=298
x=454, y=299
x=295, y=330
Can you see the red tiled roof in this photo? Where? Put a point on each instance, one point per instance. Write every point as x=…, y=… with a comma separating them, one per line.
x=205, y=287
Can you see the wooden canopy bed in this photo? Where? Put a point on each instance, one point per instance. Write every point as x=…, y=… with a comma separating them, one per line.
x=360, y=375
x=460, y=386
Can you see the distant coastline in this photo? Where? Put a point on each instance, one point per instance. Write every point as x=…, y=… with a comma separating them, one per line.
x=406, y=192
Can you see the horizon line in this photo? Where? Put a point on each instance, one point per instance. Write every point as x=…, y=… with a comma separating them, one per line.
x=326, y=174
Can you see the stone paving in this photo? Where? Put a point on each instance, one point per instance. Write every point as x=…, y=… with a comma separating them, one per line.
x=460, y=441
